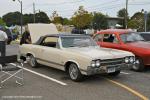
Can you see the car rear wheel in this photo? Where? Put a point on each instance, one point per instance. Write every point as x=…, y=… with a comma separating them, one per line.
x=32, y=61
x=115, y=73
x=139, y=65
x=74, y=73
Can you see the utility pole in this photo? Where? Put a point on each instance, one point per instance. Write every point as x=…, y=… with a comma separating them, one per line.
x=145, y=21
x=34, y=12
x=21, y=18
x=126, y=14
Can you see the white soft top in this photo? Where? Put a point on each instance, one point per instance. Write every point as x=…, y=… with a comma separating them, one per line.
x=38, y=30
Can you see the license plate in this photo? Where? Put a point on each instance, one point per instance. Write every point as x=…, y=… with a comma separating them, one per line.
x=111, y=70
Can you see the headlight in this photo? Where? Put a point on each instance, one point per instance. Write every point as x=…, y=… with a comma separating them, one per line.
x=131, y=59
x=98, y=63
x=95, y=63
x=126, y=59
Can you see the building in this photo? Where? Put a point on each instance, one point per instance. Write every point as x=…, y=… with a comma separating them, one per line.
x=114, y=22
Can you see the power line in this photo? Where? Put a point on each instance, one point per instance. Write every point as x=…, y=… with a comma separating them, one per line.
x=114, y=6
x=98, y=7
x=146, y=3
x=103, y=3
x=61, y=3
x=94, y=6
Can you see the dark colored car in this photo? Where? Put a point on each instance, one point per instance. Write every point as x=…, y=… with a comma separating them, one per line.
x=145, y=35
x=77, y=31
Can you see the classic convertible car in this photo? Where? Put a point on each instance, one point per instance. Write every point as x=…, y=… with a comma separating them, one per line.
x=78, y=55
x=126, y=40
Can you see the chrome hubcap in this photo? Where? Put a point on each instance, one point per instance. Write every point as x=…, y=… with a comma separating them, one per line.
x=73, y=71
x=137, y=64
x=32, y=61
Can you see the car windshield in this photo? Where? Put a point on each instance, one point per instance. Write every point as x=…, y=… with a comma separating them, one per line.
x=131, y=37
x=77, y=42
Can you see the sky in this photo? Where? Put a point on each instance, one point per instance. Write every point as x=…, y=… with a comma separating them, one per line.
x=66, y=8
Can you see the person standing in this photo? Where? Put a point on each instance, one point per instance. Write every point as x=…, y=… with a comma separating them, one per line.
x=3, y=41
x=26, y=38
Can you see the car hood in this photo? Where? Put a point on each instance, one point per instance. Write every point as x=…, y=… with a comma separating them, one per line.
x=38, y=30
x=140, y=44
x=100, y=53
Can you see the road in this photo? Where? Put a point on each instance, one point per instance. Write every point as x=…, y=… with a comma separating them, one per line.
x=45, y=83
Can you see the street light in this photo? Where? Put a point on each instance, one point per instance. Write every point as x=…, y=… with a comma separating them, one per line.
x=21, y=21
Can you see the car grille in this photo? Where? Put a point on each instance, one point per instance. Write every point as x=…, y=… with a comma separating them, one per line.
x=112, y=62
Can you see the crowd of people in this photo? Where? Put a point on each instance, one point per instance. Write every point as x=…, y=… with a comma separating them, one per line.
x=25, y=39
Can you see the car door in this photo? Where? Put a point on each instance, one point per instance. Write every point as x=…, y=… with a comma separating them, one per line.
x=51, y=53
x=110, y=40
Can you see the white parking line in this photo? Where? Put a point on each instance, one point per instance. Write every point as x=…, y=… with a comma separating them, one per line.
x=125, y=73
x=42, y=75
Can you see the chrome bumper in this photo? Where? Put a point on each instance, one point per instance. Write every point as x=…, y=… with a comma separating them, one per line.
x=104, y=69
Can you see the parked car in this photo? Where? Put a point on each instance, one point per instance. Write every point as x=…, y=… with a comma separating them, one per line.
x=78, y=31
x=78, y=55
x=145, y=35
x=126, y=40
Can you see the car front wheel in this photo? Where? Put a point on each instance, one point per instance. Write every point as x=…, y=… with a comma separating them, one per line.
x=74, y=72
x=139, y=65
x=32, y=61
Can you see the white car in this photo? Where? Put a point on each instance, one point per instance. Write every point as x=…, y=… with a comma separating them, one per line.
x=78, y=55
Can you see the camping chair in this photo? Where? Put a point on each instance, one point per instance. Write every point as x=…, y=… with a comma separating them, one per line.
x=11, y=69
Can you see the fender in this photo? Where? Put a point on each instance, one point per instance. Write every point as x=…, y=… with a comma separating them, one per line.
x=82, y=72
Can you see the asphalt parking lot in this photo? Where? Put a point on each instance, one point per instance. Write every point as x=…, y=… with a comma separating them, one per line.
x=45, y=83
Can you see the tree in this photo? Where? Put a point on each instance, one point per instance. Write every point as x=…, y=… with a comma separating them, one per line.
x=42, y=17
x=81, y=19
x=54, y=14
x=122, y=13
x=137, y=18
x=12, y=18
x=28, y=18
x=66, y=21
x=58, y=20
x=133, y=24
x=99, y=21
x=2, y=23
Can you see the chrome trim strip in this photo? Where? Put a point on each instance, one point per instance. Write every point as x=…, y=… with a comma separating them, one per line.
x=50, y=62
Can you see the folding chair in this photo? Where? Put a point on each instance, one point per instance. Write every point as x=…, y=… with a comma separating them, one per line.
x=11, y=69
